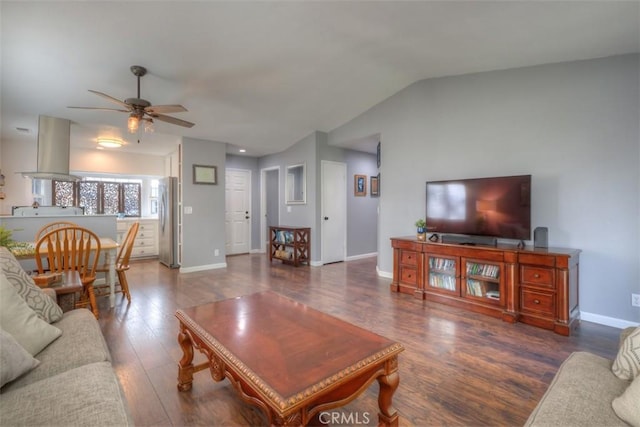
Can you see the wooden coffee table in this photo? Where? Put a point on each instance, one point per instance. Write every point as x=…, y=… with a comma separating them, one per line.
x=290, y=360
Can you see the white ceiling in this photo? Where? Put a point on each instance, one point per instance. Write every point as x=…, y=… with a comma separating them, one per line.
x=263, y=75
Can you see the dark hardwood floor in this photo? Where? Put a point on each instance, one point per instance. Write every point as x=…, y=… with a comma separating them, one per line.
x=459, y=368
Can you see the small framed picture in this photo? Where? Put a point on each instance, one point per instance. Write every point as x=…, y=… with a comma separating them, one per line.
x=375, y=192
x=205, y=174
x=378, y=155
x=360, y=185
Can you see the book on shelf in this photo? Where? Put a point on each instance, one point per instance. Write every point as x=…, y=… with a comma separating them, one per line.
x=442, y=281
x=475, y=288
x=486, y=270
x=443, y=264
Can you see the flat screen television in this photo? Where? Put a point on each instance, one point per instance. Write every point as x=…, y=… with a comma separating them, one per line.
x=498, y=207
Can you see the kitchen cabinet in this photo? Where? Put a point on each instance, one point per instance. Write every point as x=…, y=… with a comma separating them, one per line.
x=146, y=242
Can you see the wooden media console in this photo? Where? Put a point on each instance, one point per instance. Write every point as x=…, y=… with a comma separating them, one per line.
x=537, y=286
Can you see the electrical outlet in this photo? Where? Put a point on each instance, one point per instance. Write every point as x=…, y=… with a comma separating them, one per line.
x=216, y=252
x=635, y=300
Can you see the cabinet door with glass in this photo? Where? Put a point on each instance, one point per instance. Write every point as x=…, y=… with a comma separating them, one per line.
x=442, y=275
x=483, y=281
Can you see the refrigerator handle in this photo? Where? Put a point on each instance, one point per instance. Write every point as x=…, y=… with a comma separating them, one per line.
x=161, y=213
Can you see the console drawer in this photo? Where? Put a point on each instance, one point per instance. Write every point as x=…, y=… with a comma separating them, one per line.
x=408, y=258
x=535, y=301
x=537, y=276
x=408, y=275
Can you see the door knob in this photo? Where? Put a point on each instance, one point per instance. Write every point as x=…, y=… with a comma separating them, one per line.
x=326, y=218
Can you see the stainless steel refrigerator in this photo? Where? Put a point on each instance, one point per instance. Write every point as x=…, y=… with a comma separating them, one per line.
x=168, y=222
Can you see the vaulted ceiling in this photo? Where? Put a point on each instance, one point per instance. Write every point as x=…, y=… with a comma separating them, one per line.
x=263, y=75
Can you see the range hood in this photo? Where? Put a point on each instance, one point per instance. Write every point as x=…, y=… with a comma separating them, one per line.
x=54, y=140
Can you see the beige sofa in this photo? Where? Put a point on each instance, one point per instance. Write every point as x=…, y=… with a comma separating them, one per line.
x=581, y=393
x=73, y=382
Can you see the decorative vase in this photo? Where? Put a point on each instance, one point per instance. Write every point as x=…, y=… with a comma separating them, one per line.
x=421, y=233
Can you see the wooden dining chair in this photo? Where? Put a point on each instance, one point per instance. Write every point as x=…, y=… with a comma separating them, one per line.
x=52, y=226
x=72, y=248
x=122, y=265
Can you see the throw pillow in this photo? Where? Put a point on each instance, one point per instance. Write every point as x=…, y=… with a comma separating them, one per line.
x=627, y=406
x=21, y=322
x=14, y=360
x=627, y=363
x=45, y=307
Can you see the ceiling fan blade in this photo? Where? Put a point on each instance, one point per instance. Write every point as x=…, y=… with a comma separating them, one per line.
x=103, y=109
x=172, y=120
x=163, y=109
x=111, y=98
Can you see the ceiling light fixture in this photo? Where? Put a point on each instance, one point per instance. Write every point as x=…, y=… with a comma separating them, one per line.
x=133, y=123
x=110, y=142
x=148, y=125
x=242, y=150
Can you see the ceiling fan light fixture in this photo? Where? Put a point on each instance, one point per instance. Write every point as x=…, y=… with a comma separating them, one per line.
x=110, y=142
x=133, y=123
x=148, y=125
x=140, y=109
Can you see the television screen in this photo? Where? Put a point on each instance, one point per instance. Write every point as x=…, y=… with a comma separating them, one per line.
x=498, y=207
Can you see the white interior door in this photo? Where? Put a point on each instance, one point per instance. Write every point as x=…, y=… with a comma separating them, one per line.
x=334, y=211
x=238, y=211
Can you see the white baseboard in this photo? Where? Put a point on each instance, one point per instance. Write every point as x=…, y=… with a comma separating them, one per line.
x=587, y=317
x=605, y=320
x=257, y=251
x=384, y=274
x=202, y=267
x=361, y=256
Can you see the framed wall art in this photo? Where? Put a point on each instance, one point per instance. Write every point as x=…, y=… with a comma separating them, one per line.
x=203, y=174
x=360, y=185
x=375, y=191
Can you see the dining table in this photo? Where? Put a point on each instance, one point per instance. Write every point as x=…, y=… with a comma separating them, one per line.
x=27, y=250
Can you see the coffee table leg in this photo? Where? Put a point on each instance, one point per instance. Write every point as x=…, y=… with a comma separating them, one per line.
x=388, y=415
x=185, y=367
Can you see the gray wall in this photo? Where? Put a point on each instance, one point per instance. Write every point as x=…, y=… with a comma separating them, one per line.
x=573, y=126
x=299, y=215
x=362, y=215
x=272, y=211
x=203, y=231
x=250, y=163
x=362, y=212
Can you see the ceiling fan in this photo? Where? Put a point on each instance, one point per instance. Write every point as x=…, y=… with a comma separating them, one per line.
x=140, y=109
